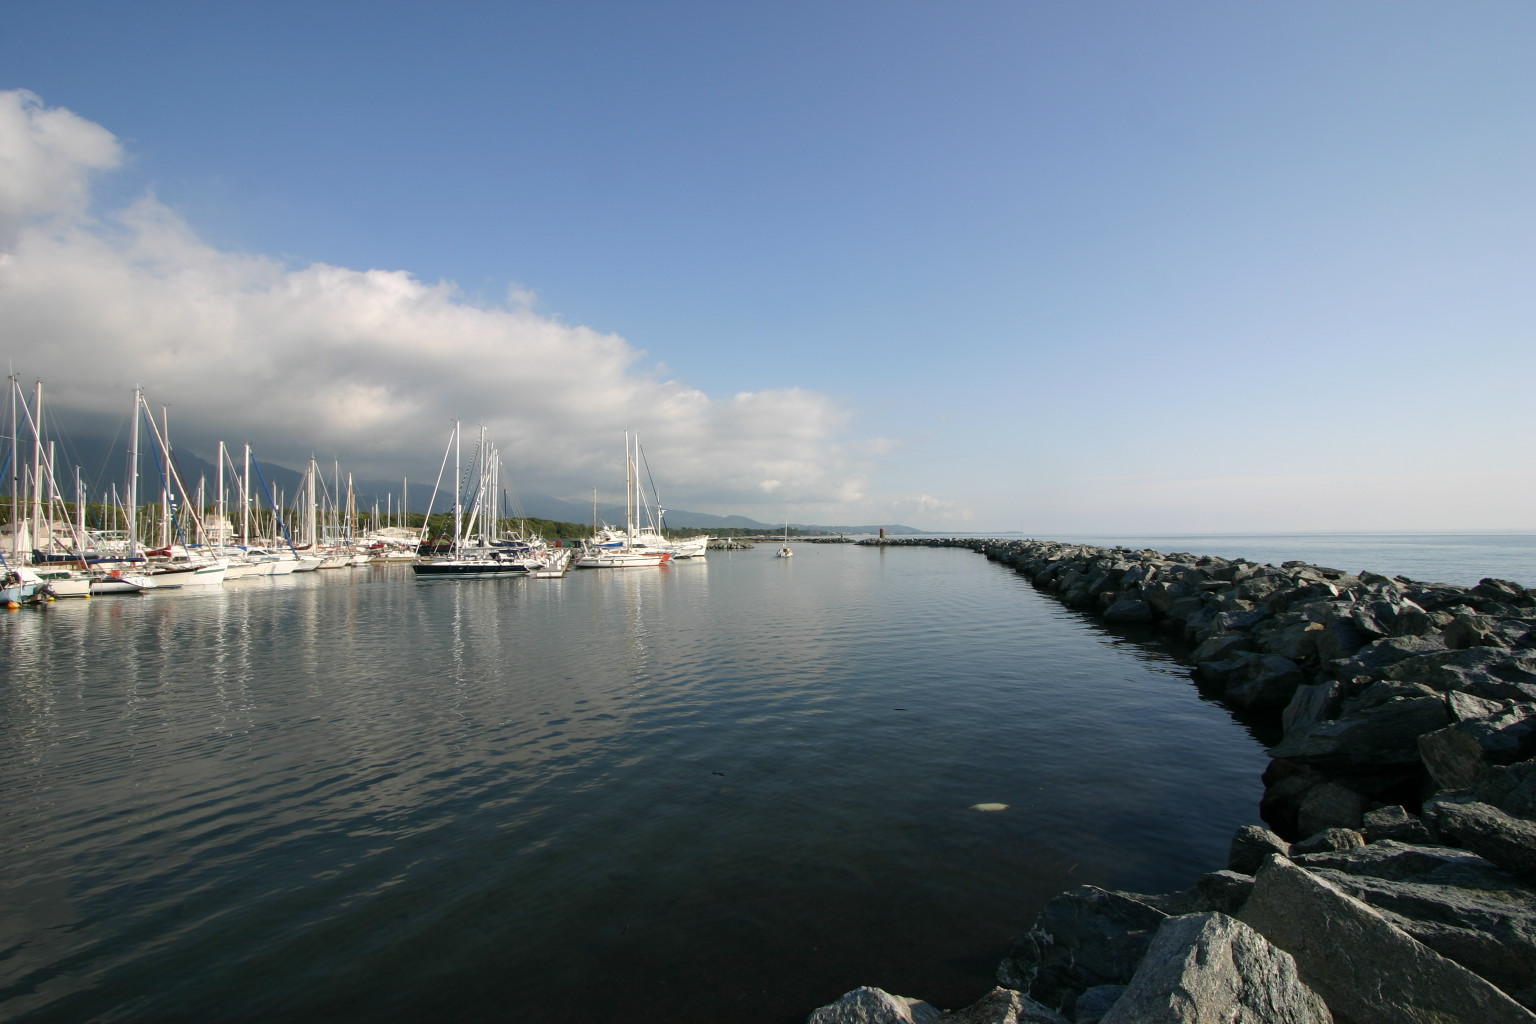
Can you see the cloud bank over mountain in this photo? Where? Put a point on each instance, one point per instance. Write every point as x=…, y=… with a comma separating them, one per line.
x=366, y=366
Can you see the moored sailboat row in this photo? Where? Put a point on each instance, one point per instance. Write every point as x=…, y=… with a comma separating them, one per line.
x=47, y=551
x=477, y=550
x=641, y=543
x=50, y=550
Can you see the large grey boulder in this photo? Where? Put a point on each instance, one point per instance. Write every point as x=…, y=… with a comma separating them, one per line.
x=1262, y=682
x=1330, y=807
x=1164, y=595
x=1393, y=823
x=1227, y=616
x=874, y=1006
x=1225, y=891
x=1093, y=1004
x=1251, y=847
x=1212, y=969
x=1328, y=840
x=1367, y=969
x=1471, y=630
x=1291, y=636
x=1508, y=841
x=1083, y=938
x=1339, y=638
x=1187, y=608
x=1396, y=861
x=1384, y=735
x=1220, y=648
x=1004, y=1006
x=1504, y=591
x=1377, y=656
x=1130, y=610
x=1489, y=672
x=1488, y=928
x=1510, y=788
x=1300, y=799
x=1390, y=614
x=1358, y=698
x=1464, y=706
x=1311, y=704
x=1456, y=755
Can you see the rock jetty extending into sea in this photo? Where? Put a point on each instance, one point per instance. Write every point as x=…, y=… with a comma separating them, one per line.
x=1396, y=878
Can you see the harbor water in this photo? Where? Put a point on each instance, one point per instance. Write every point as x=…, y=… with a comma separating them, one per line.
x=1459, y=558
x=726, y=790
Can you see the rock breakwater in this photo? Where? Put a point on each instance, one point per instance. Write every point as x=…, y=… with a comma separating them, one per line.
x=1396, y=877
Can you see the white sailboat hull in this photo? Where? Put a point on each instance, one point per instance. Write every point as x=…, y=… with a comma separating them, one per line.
x=619, y=558
x=122, y=583
x=68, y=584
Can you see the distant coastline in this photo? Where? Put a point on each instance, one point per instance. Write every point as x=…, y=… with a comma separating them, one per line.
x=1458, y=557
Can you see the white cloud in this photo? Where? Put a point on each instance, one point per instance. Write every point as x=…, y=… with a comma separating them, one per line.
x=366, y=366
x=47, y=157
x=928, y=508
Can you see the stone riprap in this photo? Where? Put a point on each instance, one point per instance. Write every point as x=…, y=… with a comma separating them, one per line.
x=1394, y=881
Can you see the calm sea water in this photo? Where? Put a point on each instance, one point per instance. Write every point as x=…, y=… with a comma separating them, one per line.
x=719, y=791
x=1460, y=558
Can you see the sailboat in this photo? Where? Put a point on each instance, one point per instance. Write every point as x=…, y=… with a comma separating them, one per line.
x=58, y=567
x=52, y=560
x=653, y=532
x=487, y=555
x=611, y=549
x=784, y=549
x=174, y=563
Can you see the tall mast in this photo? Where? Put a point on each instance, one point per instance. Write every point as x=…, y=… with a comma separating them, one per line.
x=15, y=396
x=458, y=491
x=312, y=517
x=80, y=507
x=202, y=503
x=629, y=491
x=166, y=497
x=55, y=498
x=133, y=476
x=223, y=506
x=487, y=500
x=494, y=523
x=34, y=533
x=245, y=501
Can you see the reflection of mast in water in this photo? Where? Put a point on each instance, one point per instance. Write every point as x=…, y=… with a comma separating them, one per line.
x=655, y=605
x=636, y=588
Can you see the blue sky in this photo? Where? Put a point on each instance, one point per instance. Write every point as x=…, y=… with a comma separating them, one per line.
x=1062, y=267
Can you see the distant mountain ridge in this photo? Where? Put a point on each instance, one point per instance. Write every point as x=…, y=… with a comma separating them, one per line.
x=286, y=482
x=544, y=506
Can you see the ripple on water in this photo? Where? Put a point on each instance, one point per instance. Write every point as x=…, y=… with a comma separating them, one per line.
x=358, y=797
